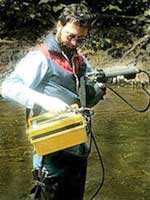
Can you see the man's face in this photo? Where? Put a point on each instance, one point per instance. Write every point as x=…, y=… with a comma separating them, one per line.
x=71, y=35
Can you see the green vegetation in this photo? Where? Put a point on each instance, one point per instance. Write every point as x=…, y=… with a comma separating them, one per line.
x=122, y=28
x=18, y=15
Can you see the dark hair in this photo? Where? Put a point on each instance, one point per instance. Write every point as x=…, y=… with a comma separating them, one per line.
x=79, y=13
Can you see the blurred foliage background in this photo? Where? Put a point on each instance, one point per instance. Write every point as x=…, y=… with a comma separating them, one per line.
x=122, y=27
x=40, y=15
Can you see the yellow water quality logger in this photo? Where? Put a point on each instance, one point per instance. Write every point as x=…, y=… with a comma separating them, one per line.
x=49, y=133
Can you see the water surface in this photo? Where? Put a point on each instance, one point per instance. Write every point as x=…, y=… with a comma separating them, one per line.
x=123, y=137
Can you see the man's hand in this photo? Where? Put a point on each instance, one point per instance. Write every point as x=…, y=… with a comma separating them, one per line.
x=103, y=88
x=52, y=104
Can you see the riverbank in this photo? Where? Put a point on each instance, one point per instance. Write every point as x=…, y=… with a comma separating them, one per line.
x=135, y=52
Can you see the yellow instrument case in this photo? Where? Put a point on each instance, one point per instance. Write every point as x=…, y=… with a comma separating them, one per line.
x=50, y=133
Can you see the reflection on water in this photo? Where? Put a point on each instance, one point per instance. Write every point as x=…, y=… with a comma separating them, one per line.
x=15, y=153
x=122, y=135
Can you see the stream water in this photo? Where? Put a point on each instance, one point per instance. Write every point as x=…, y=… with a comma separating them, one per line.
x=122, y=135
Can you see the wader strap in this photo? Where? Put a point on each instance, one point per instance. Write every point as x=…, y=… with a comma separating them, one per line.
x=82, y=92
x=80, y=81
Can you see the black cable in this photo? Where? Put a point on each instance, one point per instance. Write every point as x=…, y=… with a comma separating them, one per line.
x=102, y=167
x=129, y=104
x=87, y=112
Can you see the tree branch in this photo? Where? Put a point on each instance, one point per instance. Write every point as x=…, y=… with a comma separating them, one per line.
x=137, y=17
x=143, y=39
x=7, y=41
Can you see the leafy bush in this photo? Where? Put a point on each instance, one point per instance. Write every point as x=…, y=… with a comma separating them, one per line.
x=31, y=19
x=22, y=15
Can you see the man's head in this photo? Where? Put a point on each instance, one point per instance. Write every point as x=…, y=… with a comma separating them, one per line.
x=73, y=25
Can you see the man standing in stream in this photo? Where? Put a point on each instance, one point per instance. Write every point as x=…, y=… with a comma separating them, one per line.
x=48, y=78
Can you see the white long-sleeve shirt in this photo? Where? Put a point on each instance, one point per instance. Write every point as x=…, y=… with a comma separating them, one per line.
x=19, y=86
